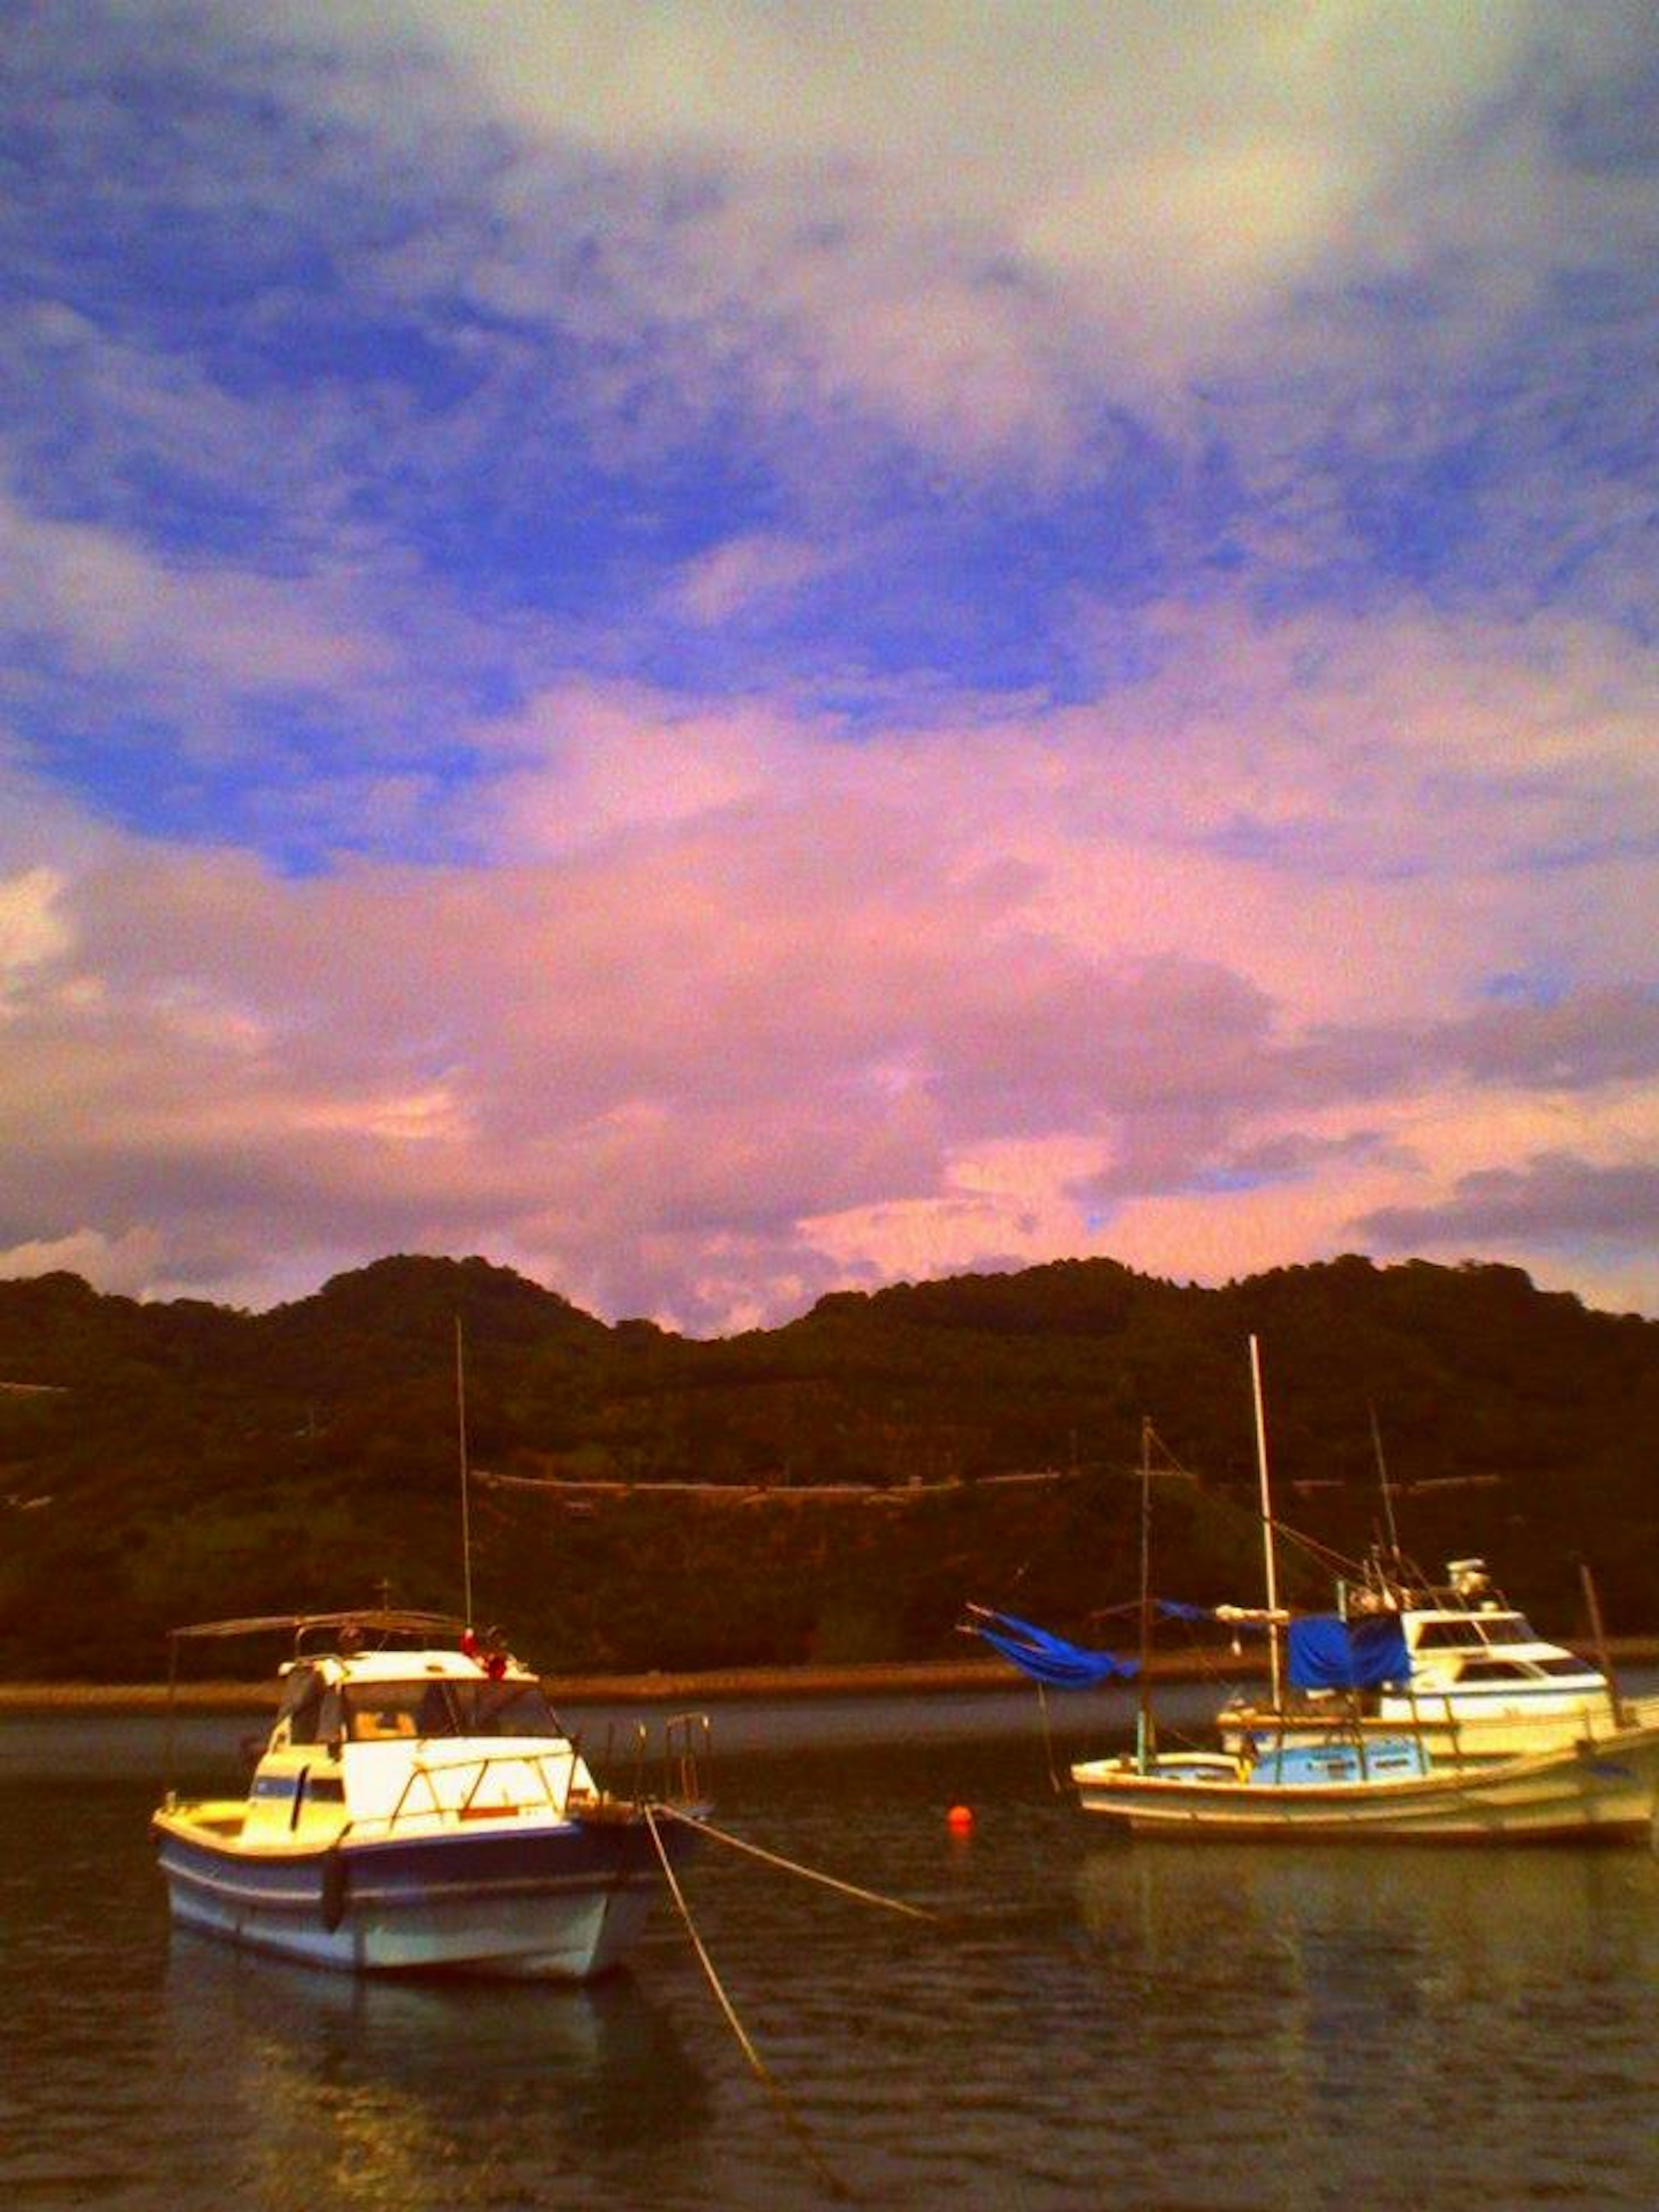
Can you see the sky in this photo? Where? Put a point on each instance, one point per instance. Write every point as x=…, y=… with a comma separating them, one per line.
x=722, y=650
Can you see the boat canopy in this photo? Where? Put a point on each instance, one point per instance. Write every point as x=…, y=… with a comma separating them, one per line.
x=1046, y=1657
x=1329, y=1653
x=368, y=1620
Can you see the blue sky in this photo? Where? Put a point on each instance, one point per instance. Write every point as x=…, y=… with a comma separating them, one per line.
x=725, y=649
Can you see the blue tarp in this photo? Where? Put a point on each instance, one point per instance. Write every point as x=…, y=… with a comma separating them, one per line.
x=1329, y=1653
x=1046, y=1657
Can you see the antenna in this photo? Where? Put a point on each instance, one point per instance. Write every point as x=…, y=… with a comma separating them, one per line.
x=1388, y=1489
x=460, y=1426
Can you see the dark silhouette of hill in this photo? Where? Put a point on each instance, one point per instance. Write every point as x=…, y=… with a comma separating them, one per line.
x=189, y=1460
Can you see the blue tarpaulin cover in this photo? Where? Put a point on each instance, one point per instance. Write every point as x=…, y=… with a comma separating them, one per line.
x=1329, y=1653
x=1046, y=1657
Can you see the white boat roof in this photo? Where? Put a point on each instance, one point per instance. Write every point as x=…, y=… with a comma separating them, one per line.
x=408, y=1667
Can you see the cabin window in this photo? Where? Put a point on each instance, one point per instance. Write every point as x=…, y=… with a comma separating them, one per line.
x=381, y=1713
x=1563, y=1666
x=1507, y=1628
x=1496, y=1670
x=302, y=1704
x=1449, y=1635
x=505, y=1708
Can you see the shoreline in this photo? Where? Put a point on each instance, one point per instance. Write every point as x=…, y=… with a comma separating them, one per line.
x=713, y=1686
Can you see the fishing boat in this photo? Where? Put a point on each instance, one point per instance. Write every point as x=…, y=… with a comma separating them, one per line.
x=418, y=1808
x=1341, y=1748
x=1335, y=1781
x=1313, y=1766
x=1338, y=1790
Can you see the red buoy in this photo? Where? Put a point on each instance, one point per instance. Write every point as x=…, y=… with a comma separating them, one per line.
x=959, y=1820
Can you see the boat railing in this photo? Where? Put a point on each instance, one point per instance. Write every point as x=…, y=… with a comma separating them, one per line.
x=627, y=1746
x=688, y=1758
x=677, y=1774
x=425, y=1773
x=676, y=1771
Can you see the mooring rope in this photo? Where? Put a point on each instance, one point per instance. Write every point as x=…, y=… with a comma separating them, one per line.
x=793, y=1866
x=758, y=2065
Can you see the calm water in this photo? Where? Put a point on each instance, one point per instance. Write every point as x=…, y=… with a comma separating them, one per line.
x=1096, y=2023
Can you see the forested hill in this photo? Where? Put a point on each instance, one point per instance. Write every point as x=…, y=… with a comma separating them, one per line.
x=168, y=1462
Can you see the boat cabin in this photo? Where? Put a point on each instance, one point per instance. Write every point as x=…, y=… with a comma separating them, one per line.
x=1465, y=1638
x=1390, y=1759
x=409, y=1740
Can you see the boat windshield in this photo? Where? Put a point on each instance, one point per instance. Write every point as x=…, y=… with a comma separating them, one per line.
x=377, y=1712
x=1507, y=1628
x=1473, y=1631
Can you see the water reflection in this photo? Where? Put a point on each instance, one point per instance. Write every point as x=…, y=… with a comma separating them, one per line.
x=366, y=2094
x=1139, y=2028
x=1463, y=2002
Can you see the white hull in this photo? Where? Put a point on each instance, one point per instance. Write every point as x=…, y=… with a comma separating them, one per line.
x=1602, y=1791
x=561, y=1904
x=575, y=1941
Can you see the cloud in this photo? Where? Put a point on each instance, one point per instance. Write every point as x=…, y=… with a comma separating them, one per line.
x=31, y=928
x=1177, y=178
x=744, y=572
x=111, y=609
x=739, y=1011
x=126, y=1266
x=734, y=649
x=1555, y=1199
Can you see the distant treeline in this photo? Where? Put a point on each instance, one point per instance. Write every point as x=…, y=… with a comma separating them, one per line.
x=182, y=1461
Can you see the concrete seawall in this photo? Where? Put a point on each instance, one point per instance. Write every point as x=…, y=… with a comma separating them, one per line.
x=911, y=1678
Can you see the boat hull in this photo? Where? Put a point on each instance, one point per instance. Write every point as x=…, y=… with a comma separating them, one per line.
x=1601, y=1791
x=561, y=1901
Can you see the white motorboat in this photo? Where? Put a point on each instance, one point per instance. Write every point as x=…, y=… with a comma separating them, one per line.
x=1480, y=1682
x=417, y=1807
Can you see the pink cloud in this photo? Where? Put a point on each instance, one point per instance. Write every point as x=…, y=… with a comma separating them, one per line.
x=741, y=1006
x=743, y=573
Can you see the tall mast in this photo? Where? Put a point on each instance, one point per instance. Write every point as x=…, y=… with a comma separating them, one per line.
x=1269, y=1562
x=460, y=1430
x=1144, y=1736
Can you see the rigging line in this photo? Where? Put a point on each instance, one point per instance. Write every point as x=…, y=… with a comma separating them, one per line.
x=792, y=1865
x=1048, y=1742
x=1324, y=1556
x=758, y=2065
x=1174, y=1465
x=460, y=1433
